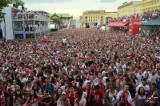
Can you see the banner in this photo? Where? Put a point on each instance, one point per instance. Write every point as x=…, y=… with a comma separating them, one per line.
x=37, y=100
x=135, y=26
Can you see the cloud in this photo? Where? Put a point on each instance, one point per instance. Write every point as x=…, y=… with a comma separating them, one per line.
x=46, y=1
x=107, y=0
x=74, y=7
x=74, y=12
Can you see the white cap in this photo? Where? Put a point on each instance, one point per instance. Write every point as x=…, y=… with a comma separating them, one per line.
x=63, y=93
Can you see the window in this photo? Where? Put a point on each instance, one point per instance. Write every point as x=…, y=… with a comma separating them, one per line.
x=154, y=1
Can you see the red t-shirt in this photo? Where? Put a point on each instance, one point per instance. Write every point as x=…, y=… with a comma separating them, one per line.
x=102, y=87
x=71, y=98
x=27, y=72
x=86, y=88
x=77, y=101
x=98, y=96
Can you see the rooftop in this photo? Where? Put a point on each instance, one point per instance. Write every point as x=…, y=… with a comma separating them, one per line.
x=66, y=15
x=94, y=11
x=128, y=3
x=111, y=12
x=63, y=15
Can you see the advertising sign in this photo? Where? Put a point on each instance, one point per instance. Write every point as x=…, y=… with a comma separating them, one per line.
x=135, y=26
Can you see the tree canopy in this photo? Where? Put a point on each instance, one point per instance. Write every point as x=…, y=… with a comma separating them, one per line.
x=4, y=3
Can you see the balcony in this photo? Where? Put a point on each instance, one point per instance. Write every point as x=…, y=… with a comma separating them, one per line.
x=27, y=16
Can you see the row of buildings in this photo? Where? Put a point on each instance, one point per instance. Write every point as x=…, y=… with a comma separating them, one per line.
x=96, y=17
x=140, y=7
x=126, y=9
x=59, y=20
x=18, y=23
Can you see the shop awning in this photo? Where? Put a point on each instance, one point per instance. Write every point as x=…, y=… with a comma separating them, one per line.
x=117, y=24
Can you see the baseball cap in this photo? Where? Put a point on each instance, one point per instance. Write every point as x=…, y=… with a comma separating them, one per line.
x=63, y=93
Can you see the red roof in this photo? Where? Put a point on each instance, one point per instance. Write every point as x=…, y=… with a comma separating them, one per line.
x=117, y=24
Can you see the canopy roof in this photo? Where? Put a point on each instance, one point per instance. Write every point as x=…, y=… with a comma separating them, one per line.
x=152, y=22
x=64, y=15
x=117, y=24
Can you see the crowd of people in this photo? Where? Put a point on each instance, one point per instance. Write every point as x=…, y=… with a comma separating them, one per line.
x=81, y=67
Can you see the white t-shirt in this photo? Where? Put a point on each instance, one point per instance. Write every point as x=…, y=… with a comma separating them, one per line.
x=83, y=102
x=138, y=76
x=146, y=87
x=85, y=82
x=154, y=77
x=129, y=99
x=59, y=103
x=64, y=40
x=24, y=80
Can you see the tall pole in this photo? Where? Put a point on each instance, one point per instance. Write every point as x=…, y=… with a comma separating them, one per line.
x=4, y=27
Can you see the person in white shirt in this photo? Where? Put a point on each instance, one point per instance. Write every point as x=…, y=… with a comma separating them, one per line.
x=125, y=96
x=81, y=99
x=15, y=86
x=146, y=74
x=63, y=101
x=24, y=79
x=144, y=85
x=64, y=40
x=138, y=76
x=154, y=76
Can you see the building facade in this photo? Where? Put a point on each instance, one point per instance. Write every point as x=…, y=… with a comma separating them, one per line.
x=96, y=17
x=150, y=5
x=128, y=9
x=74, y=24
x=24, y=24
x=60, y=20
x=81, y=20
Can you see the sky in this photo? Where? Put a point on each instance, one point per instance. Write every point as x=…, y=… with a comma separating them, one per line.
x=73, y=7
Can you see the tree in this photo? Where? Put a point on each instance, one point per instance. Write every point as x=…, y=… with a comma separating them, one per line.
x=124, y=3
x=56, y=20
x=17, y=2
x=4, y=3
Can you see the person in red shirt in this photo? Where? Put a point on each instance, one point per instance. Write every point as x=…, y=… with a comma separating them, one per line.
x=101, y=85
x=78, y=97
x=98, y=95
x=71, y=96
x=88, y=90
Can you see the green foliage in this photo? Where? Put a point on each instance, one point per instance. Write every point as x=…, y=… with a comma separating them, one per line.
x=16, y=2
x=56, y=20
x=1, y=16
x=4, y=3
